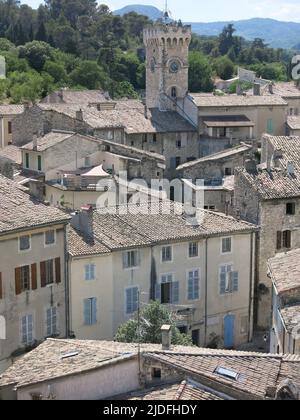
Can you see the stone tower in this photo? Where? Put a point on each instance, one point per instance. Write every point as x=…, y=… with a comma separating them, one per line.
x=167, y=48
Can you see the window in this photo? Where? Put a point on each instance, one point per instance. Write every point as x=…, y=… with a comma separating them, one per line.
x=154, y=138
x=178, y=144
x=284, y=239
x=131, y=259
x=25, y=278
x=24, y=243
x=168, y=291
x=51, y=321
x=90, y=272
x=90, y=311
x=166, y=254
x=193, y=285
x=87, y=162
x=291, y=209
x=270, y=127
x=156, y=373
x=226, y=245
x=193, y=250
x=226, y=373
x=132, y=297
x=174, y=92
x=27, y=329
x=228, y=171
x=229, y=280
x=49, y=272
x=9, y=127
x=39, y=163
x=50, y=237
x=27, y=160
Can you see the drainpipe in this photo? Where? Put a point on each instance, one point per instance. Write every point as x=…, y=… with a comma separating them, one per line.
x=206, y=291
x=251, y=292
x=67, y=291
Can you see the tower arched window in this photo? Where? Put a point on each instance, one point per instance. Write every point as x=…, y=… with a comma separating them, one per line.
x=174, y=92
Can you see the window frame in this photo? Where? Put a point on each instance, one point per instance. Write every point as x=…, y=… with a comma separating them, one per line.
x=52, y=271
x=52, y=316
x=231, y=291
x=26, y=317
x=194, y=270
x=126, y=302
x=162, y=254
x=128, y=265
x=224, y=238
x=23, y=289
x=23, y=251
x=189, y=249
x=87, y=270
x=45, y=236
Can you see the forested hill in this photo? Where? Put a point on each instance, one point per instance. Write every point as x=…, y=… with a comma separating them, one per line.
x=80, y=44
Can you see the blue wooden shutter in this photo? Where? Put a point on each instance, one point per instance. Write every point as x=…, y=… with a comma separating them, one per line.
x=94, y=311
x=235, y=281
x=30, y=328
x=175, y=292
x=223, y=275
x=87, y=311
x=135, y=298
x=196, y=286
x=92, y=272
x=158, y=292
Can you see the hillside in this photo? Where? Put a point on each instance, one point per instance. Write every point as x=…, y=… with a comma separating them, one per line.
x=276, y=33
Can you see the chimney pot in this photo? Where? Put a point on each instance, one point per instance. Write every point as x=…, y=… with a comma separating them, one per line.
x=79, y=115
x=166, y=332
x=35, y=142
x=83, y=220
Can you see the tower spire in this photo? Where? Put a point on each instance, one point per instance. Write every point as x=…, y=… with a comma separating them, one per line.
x=166, y=12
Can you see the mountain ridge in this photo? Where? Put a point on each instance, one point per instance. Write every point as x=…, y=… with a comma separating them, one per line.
x=276, y=33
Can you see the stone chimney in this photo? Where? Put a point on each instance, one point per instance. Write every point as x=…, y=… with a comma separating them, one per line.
x=35, y=142
x=79, y=115
x=166, y=334
x=83, y=220
x=239, y=90
x=291, y=169
x=276, y=158
x=251, y=166
x=61, y=95
x=256, y=89
x=271, y=90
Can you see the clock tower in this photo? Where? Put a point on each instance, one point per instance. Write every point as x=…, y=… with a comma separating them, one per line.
x=167, y=66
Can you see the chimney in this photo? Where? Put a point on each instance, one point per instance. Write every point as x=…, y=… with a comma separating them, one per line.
x=250, y=166
x=35, y=142
x=276, y=157
x=166, y=333
x=83, y=220
x=79, y=115
x=256, y=89
x=146, y=112
x=271, y=90
x=239, y=90
x=61, y=95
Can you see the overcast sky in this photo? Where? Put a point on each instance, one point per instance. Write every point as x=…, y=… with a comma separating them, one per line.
x=215, y=10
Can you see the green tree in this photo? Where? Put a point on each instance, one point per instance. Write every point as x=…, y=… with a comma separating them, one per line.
x=89, y=75
x=153, y=317
x=226, y=39
x=200, y=73
x=37, y=53
x=224, y=68
x=123, y=90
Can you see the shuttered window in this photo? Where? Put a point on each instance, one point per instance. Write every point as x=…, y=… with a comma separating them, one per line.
x=132, y=296
x=51, y=321
x=166, y=254
x=27, y=330
x=131, y=259
x=168, y=291
x=90, y=272
x=193, y=285
x=229, y=280
x=90, y=311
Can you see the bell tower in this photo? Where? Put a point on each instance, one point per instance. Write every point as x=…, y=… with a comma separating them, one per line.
x=167, y=48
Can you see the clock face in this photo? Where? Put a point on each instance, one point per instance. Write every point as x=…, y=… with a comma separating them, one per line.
x=174, y=67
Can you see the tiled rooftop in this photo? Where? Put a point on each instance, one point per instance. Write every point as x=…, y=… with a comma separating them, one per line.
x=238, y=101
x=49, y=140
x=140, y=228
x=10, y=110
x=291, y=318
x=128, y=116
x=294, y=122
x=228, y=153
x=12, y=153
x=255, y=373
x=79, y=96
x=19, y=211
x=285, y=271
x=228, y=121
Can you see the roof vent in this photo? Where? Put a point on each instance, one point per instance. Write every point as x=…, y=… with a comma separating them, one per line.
x=69, y=355
x=227, y=374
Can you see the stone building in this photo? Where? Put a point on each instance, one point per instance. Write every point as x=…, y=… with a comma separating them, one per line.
x=204, y=273
x=7, y=114
x=32, y=271
x=284, y=271
x=75, y=170
x=97, y=370
x=269, y=196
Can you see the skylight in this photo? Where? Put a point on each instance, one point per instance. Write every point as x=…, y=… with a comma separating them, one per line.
x=226, y=373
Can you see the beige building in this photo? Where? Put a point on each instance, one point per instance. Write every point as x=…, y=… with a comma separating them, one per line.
x=7, y=114
x=32, y=272
x=98, y=370
x=284, y=271
x=204, y=273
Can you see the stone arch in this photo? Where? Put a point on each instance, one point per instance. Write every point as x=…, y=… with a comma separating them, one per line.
x=175, y=42
x=181, y=42
x=169, y=42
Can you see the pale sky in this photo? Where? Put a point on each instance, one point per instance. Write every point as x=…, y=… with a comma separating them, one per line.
x=216, y=10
